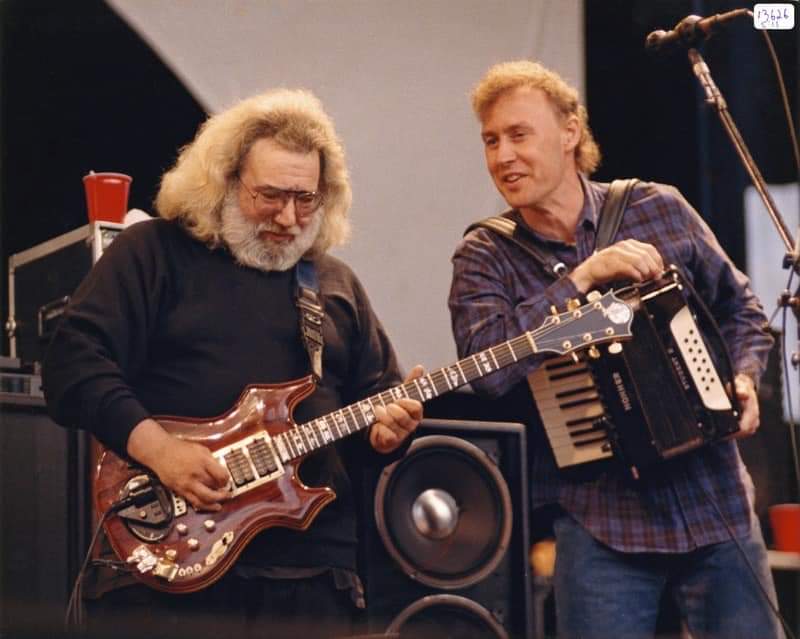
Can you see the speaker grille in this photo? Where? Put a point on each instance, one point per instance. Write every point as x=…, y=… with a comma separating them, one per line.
x=444, y=512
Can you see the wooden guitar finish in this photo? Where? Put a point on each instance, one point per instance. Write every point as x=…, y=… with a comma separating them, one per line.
x=198, y=547
x=171, y=547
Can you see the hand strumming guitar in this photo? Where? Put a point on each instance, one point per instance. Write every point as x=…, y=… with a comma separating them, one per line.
x=187, y=468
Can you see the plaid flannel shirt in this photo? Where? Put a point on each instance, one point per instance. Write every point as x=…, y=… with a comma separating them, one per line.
x=498, y=292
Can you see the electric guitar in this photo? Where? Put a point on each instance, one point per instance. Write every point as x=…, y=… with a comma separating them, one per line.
x=173, y=548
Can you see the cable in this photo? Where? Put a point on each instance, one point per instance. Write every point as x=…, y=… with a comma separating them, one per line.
x=786, y=108
x=787, y=374
x=73, y=617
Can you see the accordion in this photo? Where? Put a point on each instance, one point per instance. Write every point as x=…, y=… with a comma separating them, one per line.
x=666, y=392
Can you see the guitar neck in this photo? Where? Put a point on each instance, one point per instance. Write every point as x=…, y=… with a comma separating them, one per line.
x=324, y=430
x=604, y=318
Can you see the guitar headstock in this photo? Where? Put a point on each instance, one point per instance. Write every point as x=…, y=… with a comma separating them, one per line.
x=604, y=318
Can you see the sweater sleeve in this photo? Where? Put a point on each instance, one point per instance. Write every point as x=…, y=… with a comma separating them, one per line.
x=102, y=341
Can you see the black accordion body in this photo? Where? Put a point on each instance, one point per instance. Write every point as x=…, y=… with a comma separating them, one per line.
x=666, y=392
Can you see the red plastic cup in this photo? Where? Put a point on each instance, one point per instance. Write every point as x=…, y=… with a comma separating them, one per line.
x=107, y=196
x=785, y=522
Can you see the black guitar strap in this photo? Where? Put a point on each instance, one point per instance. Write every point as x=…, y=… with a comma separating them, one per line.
x=610, y=218
x=311, y=313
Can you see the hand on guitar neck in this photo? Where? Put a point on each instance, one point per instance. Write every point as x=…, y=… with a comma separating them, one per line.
x=185, y=467
x=397, y=420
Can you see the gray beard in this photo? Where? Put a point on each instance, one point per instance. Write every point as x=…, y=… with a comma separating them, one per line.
x=242, y=237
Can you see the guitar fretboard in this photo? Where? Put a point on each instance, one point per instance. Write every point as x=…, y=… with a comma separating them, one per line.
x=305, y=438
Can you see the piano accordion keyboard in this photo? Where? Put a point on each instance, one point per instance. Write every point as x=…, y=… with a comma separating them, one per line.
x=569, y=405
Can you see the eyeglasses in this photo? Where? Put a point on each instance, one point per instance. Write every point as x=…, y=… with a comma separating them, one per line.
x=273, y=200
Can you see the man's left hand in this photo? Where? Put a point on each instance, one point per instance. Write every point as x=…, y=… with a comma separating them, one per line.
x=397, y=420
x=746, y=394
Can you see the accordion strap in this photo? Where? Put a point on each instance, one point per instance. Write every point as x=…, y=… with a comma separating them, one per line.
x=619, y=192
x=610, y=218
x=507, y=227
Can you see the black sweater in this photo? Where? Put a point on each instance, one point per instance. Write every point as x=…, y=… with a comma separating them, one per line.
x=164, y=325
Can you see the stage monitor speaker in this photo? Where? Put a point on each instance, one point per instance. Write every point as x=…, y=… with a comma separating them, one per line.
x=446, y=550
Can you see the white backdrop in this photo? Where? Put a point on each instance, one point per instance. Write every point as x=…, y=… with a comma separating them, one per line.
x=395, y=76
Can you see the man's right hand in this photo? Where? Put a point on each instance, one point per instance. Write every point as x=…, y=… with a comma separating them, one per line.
x=626, y=260
x=187, y=468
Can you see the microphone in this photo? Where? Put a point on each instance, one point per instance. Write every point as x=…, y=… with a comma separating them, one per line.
x=690, y=31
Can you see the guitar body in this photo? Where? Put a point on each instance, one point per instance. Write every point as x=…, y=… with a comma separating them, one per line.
x=174, y=548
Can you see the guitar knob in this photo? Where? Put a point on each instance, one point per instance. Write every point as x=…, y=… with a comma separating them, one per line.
x=171, y=554
x=209, y=525
x=193, y=543
x=182, y=529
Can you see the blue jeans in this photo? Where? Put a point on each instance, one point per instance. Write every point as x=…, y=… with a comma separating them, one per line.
x=601, y=593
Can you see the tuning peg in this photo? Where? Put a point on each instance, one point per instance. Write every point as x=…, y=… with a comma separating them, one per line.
x=553, y=310
x=575, y=357
x=593, y=296
x=593, y=352
x=615, y=348
x=573, y=304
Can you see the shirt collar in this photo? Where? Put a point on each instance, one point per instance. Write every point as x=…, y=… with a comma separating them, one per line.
x=593, y=197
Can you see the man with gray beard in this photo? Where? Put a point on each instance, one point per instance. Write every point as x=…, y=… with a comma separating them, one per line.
x=182, y=313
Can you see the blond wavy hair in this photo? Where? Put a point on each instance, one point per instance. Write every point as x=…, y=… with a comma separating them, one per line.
x=507, y=76
x=193, y=191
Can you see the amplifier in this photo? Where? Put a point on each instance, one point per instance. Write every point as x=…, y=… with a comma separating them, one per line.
x=41, y=280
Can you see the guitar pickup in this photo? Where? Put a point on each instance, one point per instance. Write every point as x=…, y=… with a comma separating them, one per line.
x=251, y=462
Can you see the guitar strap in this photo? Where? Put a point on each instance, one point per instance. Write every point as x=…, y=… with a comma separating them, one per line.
x=610, y=218
x=311, y=313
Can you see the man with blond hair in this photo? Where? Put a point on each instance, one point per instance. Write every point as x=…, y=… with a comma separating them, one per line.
x=688, y=529
x=182, y=312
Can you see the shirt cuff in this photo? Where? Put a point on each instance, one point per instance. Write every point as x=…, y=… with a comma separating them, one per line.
x=118, y=421
x=560, y=292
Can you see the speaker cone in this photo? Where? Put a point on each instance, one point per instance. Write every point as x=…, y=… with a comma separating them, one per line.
x=437, y=616
x=444, y=512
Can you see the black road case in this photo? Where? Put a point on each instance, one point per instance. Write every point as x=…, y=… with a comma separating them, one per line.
x=41, y=280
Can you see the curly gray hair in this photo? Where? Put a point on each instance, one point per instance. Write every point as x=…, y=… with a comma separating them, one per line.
x=193, y=191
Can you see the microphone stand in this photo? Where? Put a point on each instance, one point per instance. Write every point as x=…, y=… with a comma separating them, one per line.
x=714, y=98
x=791, y=259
